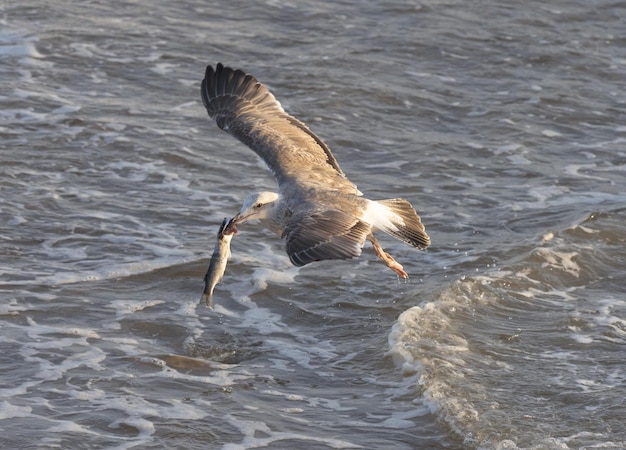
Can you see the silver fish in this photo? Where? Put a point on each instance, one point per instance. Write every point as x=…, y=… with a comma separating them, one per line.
x=219, y=259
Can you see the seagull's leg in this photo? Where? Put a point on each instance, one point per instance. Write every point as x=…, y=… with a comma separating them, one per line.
x=386, y=257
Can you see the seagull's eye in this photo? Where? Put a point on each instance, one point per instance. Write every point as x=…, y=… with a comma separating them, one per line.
x=258, y=205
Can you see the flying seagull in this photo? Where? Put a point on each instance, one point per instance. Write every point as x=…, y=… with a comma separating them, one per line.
x=317, y=210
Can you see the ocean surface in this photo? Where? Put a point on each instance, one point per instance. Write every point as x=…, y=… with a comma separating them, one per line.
x=503, y=122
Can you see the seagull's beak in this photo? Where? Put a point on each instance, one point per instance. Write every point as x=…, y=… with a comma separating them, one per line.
x=240, y=217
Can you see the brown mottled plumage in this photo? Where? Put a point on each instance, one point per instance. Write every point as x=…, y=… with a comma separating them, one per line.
x=321, y=214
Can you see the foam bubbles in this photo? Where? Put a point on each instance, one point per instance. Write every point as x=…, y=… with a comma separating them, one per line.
x=559, y=260
x=27, y=49
x=9, y=411
x=258, y=434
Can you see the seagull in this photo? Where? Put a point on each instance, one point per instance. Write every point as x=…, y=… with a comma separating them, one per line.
x=317, y=210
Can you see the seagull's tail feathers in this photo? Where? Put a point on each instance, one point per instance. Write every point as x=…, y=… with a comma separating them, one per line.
x=398, y=218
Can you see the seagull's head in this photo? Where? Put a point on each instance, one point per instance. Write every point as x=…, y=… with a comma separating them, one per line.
x=257, y=206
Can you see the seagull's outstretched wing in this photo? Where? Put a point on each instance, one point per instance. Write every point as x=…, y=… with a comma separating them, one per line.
x=246, y=109
x=330, y=234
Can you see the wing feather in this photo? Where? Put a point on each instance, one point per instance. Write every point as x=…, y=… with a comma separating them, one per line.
x=324, y=235
x=247, y=110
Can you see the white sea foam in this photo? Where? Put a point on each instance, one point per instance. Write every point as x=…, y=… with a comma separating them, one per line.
x=258, y=434
x=559, y=260
x=67, y=426
x=602, y=323
x=163, y=68
x=421, y=342
x=9, y=411
x=12, y=308
x=104, y=273
x=56, y=352
x=125, y=307
x=551, y=133
x=26, y=49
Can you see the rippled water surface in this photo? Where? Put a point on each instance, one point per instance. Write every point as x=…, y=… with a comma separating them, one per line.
x=504, y=123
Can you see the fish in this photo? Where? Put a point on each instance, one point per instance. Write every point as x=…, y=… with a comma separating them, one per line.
x=219, y=259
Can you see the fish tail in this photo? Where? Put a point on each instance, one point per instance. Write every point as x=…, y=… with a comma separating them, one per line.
x=207, y=295
x=207, y=298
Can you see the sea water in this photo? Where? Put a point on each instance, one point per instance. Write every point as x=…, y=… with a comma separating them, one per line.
x=503, y=124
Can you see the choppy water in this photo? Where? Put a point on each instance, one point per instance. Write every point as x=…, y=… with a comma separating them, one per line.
x=503, y=122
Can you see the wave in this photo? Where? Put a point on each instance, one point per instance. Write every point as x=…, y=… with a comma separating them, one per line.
x=509, y=359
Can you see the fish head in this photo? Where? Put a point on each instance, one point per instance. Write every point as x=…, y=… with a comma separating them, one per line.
x=228, y=227
x=257, y=206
